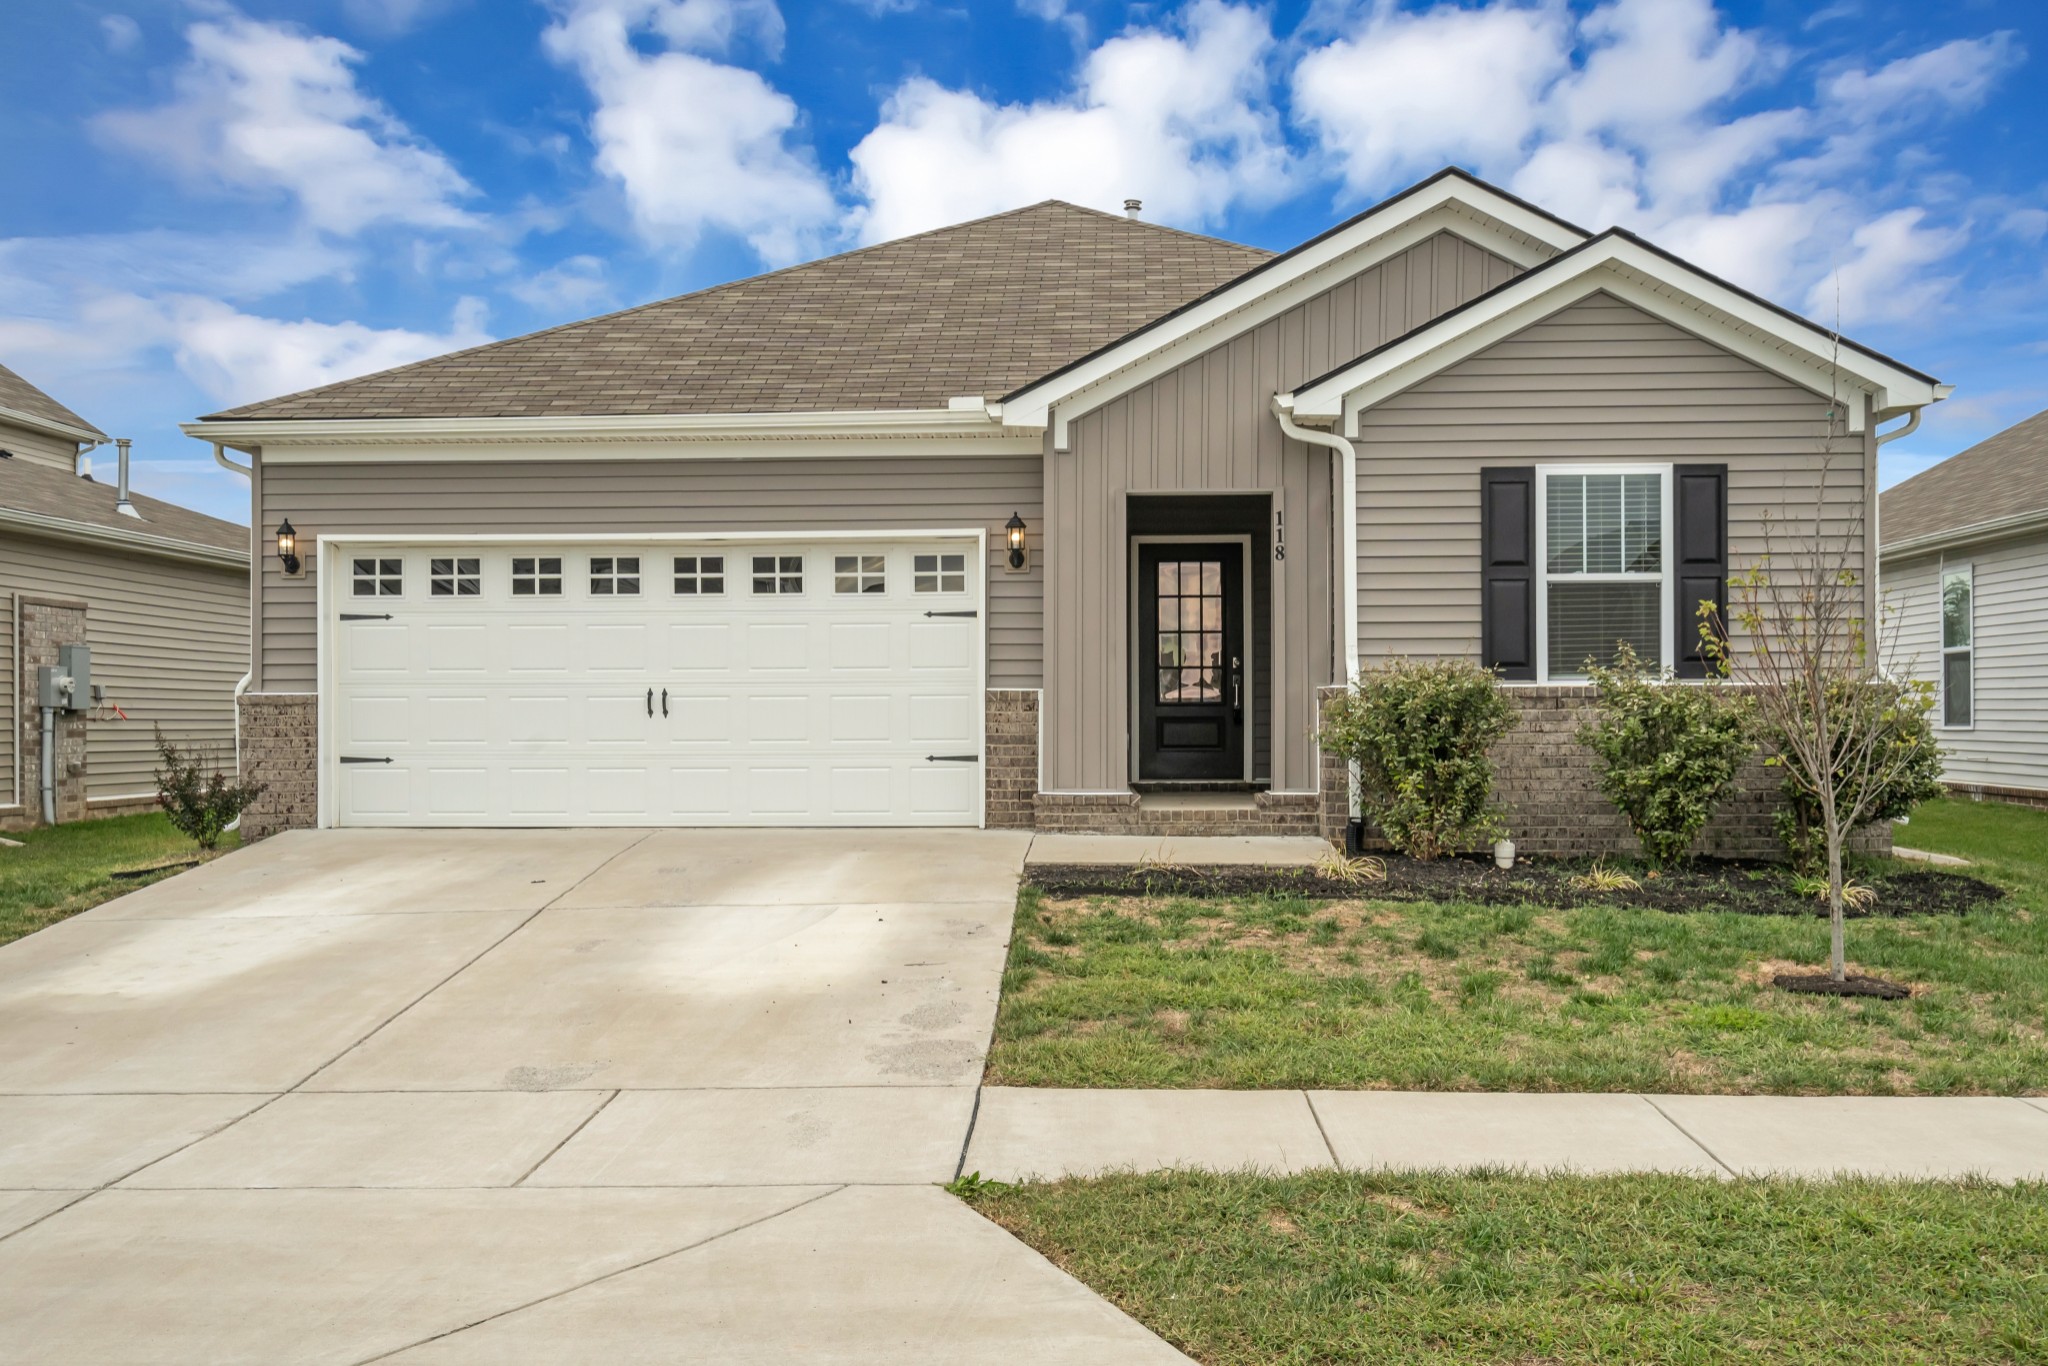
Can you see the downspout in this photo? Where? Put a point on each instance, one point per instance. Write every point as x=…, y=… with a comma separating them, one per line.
x=255, y=567
x=49, y=774
x=1347, y=520
x=1875, y=538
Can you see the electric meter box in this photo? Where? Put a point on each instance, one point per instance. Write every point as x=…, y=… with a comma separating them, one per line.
x=76, y=660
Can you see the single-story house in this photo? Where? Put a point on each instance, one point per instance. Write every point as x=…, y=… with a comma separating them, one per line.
x=1964, y=550
x=157, y=592
x=1055, y=519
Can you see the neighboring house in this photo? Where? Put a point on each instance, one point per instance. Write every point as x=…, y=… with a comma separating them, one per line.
x=159, y=593
x=1965, y=560
x=745, y=557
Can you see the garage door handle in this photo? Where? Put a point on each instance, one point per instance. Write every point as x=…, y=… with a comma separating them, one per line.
x=362, y=759
x=650, y=701
x=366, y=616
x=970, y=612
x=664, y=704
x=952, y=758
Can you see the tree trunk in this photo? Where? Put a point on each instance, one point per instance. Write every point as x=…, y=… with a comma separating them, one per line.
x=1835, y=964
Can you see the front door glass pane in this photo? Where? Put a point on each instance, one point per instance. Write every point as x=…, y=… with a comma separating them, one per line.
x=1190, y=636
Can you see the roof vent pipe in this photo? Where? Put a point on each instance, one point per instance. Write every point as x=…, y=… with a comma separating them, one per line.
x=1132, y=207
x=121, y=503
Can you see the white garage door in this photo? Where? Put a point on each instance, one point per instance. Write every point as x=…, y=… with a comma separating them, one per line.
x=760, y=683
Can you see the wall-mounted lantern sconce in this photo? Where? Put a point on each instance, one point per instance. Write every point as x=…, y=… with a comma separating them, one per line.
x=1018, y=559
x=288, y=549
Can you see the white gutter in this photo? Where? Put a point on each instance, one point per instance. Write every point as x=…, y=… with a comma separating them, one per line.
x=1347, y=519
x=51, y=427
x=119, y=538
x=220, y=457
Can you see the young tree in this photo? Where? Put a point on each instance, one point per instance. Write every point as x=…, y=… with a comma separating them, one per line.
x=1847, y=737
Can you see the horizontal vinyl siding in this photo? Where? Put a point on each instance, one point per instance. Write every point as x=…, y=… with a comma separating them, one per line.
x=169, y=641
x=2008, y=745
x=632, y=497
x=1208, y=426
x=1600, y=380
x=40, y=447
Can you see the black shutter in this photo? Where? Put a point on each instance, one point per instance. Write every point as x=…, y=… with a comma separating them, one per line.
x=1507, y=556
x=1699, y=521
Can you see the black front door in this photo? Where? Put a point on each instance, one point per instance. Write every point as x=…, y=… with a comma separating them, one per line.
x=1190, y=661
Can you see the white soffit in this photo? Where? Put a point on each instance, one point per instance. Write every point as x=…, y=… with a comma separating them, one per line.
x=1648, y=280
x=1447, y=204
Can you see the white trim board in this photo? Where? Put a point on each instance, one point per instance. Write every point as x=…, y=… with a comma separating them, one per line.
x=1638, y=276
x=1453, y=204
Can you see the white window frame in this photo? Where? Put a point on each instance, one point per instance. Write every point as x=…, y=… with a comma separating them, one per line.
x=698, y=576
x=1967, y=571
x=861, y=576
x=615, y=578
x=1667, y=634
x=939, y=573
x=377, y=576
x=802, y=575
x=561, y=576
x=455, y=577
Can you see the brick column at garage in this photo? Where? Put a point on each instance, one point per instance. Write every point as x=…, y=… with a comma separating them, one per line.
x=42, y=625
x=281, y=750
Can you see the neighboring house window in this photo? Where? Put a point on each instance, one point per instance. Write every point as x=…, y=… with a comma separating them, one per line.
x=700, y=574
x=377, y=578
x=1958, y=649
x=614, y=575
x=778, y=573
x=938, y=573
x=857, y=574
x=536, y=576
x=454, y=578
x=1602, y=568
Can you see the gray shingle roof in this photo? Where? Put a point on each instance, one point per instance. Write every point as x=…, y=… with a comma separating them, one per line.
x=23, y=397
x=2001, y=476
x=47, y=491
x=978, y=308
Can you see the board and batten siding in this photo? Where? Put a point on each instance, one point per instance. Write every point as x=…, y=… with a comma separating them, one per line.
x=169, y=641
x=1599, y=380
x=650, y=497
x=1207, y=427
x=2008, y=744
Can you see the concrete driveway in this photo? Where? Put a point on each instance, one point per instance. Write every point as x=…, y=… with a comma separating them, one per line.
x=506, y=1096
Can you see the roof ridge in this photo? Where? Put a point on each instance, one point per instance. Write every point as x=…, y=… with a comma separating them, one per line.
x=723, y=285
x=1156, y=227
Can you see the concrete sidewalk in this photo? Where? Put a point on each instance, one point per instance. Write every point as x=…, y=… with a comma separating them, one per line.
x=1021, y=1133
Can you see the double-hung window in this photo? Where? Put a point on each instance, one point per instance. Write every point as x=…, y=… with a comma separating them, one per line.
x=1958, y=646
x=1603, y=566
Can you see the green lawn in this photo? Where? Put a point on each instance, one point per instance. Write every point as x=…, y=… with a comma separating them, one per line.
x=1287, y=992
x=66, y=869
x=1492, y=1268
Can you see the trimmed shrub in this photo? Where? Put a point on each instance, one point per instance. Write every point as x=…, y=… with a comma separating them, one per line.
x=1667, y=752
x=1897, y=713
x=199, y=805
x=1419, y=731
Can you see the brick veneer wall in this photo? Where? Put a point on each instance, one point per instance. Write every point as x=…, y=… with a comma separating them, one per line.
x=2013, y=796
x=280, y=749
x=1011, y=766
x=1545, y=779
x=1118, y=813
x=41, y=625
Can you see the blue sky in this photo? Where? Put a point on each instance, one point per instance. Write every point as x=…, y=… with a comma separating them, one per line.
x=213, y=203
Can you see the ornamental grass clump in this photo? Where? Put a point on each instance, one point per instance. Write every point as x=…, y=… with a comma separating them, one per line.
x=1419, y=731
x=1667, y=752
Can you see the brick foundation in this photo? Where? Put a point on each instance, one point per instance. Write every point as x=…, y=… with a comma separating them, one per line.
x=2012, y=796
x=42, y=625
x=1118, y=813
x=280, y=749
x=1547, y=783
x=1011, y=765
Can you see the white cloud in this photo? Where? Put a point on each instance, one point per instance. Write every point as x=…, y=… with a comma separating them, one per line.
x=269, y=108
x=1886, y=280
x=120, y=33
x=577, y=283
x=697, y=145
x=1177, y=118
x=1959, y=74
x=238, y=357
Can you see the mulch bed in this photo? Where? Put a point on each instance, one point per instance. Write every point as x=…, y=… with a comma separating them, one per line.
x=1852, y=984
x=1704, y=885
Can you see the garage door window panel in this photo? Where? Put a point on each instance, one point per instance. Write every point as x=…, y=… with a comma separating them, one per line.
x=939, y=573
x=377, y=578
x=700, y=575
x=778, y=575
x=859, y=574
x=614, y=576
x=455, y=578
x=536, y=576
